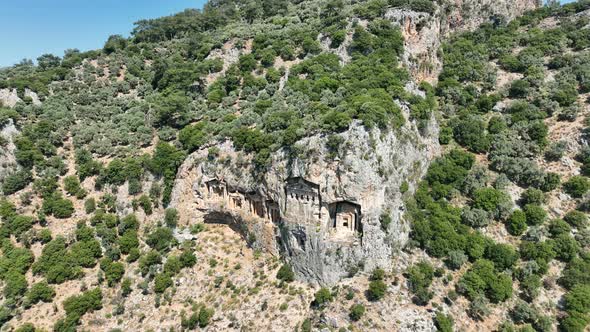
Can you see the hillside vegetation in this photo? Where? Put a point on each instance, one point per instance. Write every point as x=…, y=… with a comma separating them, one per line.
x=499, y=237
x=507, y=204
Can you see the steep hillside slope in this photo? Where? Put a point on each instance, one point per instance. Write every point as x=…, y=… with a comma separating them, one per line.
x=313, y=165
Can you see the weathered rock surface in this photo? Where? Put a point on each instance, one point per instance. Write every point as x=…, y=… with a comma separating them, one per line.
x=322, y=212
x=424, y=33
x=7, y=158
x=9, y=97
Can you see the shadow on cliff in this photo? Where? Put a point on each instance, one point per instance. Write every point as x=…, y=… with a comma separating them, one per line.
x=222, y=218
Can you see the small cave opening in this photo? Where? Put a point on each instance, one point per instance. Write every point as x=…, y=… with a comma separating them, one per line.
x=226, y=219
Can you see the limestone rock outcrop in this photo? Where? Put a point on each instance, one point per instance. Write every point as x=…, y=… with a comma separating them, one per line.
x=424, y=32
x=322, y=212
x=10, y=97
x=7, y=159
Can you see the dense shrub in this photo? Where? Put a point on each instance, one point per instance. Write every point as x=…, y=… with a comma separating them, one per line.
x=443, y=323
x=566, y=248
x=78, y=306
x=535, y=215
x=557, y=227
x=26, y=327
x=419, y=277
x=377, y=290
x=17, y=181
x=504, y=256
x=322, y=297
x=15, y=284
x=204, y=316
x=517, y=223
x=286, y=273
x=356, y=312
x=113, y=271
x=193, y=137
x=17, y=224
x=90, y=205
x=471, y=133
x=519, y=89
x=58, y=206
x=456, y=259
x=577, y=186
x=492, y=200
x=576, y=219
x=160, y=239
x=482, y=280
x=72, y=186
x=576, y=272
x=56, y=263
x=475, y=218
x=40, y=291
x=171, y=217
x=162, y=281
x=532, y=196
x=578, y=299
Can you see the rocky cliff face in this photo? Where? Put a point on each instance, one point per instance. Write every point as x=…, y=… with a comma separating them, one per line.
x=9, y=97
x=424, y=32
x=323, y=212
x=7, y=148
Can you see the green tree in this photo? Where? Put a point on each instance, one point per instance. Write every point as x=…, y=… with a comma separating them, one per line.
x=204, y=316
x=443, y=323
x=322, y=297
x=15, y=284
x=171, y=217
x=356, y=312
x=504, y=256
x=90, y=205
x=377, y=290
x=517, y=223
x=577, y=186
x=577, y=300
x=194, y=136
x=114, y=43
x=172, y=109
x=286, y=273
x=47, y=61
x=535, y=215
x=576, y=219
x=162, y=281
x=40, y=291
x=160, y=239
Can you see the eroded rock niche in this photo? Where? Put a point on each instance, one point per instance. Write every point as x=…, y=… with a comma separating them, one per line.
x=302, y=206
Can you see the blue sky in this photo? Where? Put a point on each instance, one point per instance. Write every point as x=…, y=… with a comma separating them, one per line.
x=30, y=28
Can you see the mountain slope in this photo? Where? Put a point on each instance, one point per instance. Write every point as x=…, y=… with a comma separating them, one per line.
x=184, y=177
